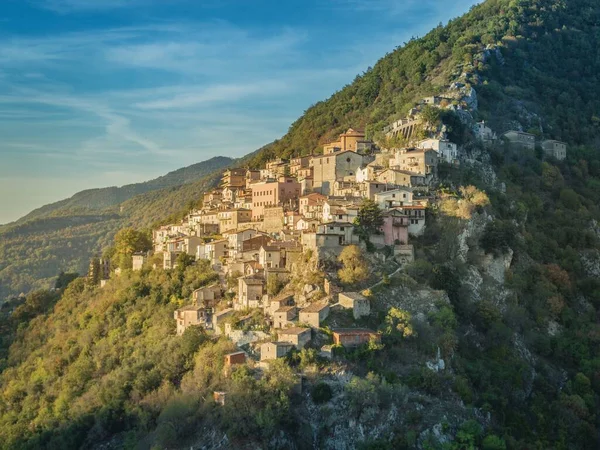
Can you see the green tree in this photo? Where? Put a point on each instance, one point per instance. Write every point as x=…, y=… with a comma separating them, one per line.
x=369, y=219
x=355, y=268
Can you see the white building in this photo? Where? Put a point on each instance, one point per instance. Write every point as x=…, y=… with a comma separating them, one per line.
x=448, y=151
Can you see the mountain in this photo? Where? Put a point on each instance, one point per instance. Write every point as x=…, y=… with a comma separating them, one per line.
x=100, y=199
x=490, y=339
x=64, y=235
x=533, y=65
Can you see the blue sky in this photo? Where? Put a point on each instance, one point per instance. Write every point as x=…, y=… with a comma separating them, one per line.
x=98, y=93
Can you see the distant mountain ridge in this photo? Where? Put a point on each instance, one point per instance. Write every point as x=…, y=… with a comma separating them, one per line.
x=102, y=198
x=65, y=234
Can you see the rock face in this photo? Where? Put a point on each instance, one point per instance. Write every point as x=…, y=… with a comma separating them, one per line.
x=496, y=266
x=590, y=260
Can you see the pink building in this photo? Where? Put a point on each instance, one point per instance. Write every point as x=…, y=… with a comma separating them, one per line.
x=395, y=227
x=284, y=191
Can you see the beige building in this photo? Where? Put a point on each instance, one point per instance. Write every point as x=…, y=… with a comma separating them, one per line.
x=234, y=178
x=299, y=163
x=138, y=261
x=207, y=295
x=297, y=336
x=314, y=314
x=421, y=161
x=229, y=219
x=277, y=302
x=520, y=139
x=311, y=205
x=269, y=256
x=353, y=140
x=334, y=166
x=190, y=315
x=284, y=316
x=401, y=178
x=274, y=350
x=283, y=192
x=273, y=219
x=216, y=250
x=250, y=292
x=219, y=319
x=359, y=304
x=556, y=149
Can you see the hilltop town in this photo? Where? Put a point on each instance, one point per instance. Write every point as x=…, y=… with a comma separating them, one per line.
x=263, y=230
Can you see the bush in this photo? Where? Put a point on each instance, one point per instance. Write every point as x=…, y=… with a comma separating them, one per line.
x=321, y=393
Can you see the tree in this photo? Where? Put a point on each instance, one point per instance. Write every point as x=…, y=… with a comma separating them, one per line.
x=397, y=323
x=355, y=267
x=274, y=284
x=369, y=219
x=64, y=279
x=127, y=242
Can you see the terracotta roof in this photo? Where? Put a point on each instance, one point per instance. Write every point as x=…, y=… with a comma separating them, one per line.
x=354, y=331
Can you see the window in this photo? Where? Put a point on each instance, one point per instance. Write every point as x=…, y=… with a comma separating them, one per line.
x=348, y=160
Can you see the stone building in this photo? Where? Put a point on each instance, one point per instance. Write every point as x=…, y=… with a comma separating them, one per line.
x=360, y=305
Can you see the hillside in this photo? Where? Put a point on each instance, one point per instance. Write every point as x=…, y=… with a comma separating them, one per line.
x=532, y=64
x=63, y=236
x=100, y=199
x=490, y=338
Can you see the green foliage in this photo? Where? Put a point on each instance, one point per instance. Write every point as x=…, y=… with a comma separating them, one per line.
x=355, y=268
x=321, y=393
x=498, y=237
x=369, y=219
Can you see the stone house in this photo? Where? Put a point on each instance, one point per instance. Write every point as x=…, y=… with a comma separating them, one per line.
x=250, y=292
x=229, y=219
x=484, y=133
x=360, y=305
x=311, y=205
x=520, y=139
x=274, y=350
x=401, y=177
x=420, y=161
x=369, y=189
x=191, y=315
x=343, y=229
x=447, y=151
x=297, y=336
x=394, y=197
x=284, y=316
x=138, y=260
x=314, y=314
x=347, y=141
x=305, y=224
x=207, y=295
x=556, y=149
x=234, y=178
x=215, y=250
x=298, y=163
x=279, y=301
x=269, y=256
x=273, y=219
x=328, y=168
x=235, y=240
x=219, y=318
x=354, y=337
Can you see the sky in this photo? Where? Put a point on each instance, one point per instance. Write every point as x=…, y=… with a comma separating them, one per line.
x=97, y=93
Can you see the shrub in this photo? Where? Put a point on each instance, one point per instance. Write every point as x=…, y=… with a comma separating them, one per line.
x=321, y=393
